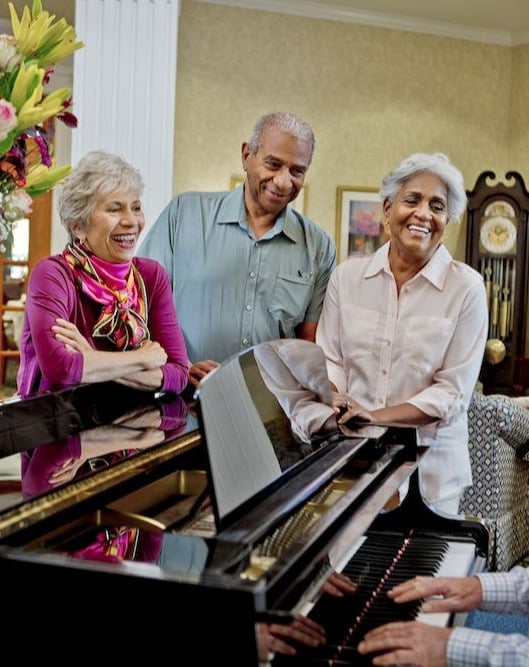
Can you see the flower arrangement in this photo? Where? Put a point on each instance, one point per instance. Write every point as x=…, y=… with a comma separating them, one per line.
x=27, y=58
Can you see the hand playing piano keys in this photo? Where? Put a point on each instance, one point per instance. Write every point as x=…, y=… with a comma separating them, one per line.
x=440, y=593
x=407, y=643
x=418, y=643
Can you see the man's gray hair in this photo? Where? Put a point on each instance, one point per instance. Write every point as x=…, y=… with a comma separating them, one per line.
x=286, y=122
x=96, y=175
x=428, y=163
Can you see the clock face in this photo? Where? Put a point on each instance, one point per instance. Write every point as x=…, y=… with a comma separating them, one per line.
x=498, y=234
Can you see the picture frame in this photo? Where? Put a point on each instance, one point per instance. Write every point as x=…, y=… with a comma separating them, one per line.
x=299, y=204
x=359, y=227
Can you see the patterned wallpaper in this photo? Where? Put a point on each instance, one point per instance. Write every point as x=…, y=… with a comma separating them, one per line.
x=372, y=95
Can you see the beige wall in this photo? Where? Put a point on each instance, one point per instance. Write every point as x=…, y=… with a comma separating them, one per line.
x=519, y=107
x=372, y=95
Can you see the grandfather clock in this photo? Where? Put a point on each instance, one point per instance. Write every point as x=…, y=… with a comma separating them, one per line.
x=497, y=239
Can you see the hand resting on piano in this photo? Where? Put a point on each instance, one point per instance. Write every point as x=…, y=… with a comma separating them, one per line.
x=426, y=645
x=348, y=410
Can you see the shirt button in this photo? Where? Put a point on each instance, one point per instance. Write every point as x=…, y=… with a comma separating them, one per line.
x=252, y=274
x=384, y=371
x=248, y=307
x=245, y=341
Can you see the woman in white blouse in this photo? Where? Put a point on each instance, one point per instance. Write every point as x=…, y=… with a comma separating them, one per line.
x=404, y=329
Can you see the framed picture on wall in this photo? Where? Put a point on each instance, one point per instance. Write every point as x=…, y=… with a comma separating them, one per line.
x=299, y=203
x=359, y=228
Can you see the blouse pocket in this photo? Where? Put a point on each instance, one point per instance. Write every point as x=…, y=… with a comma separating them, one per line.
x=359, y=331
x=426, y=341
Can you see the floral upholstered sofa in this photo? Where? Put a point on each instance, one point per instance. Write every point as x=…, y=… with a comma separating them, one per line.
x=498, y=428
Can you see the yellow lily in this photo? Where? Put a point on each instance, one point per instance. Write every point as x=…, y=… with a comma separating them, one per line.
x=61, y=49
x=27, y=86
x=39, y=39
x=36, y=8
x=27, y=97
x=29, y=30
x=51, y=105
x=42, y=179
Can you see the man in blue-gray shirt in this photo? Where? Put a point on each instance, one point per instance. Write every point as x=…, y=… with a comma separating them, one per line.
x=244, y=266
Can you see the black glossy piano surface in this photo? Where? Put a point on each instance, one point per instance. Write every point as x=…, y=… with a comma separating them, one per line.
x=152, y=523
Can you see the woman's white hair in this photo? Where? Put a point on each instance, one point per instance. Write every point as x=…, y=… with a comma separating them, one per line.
x=428, y=163
x=97, y=174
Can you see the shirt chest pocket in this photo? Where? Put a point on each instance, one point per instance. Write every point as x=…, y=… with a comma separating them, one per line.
x=359, y=331
x=290, y=300
x=426, y=341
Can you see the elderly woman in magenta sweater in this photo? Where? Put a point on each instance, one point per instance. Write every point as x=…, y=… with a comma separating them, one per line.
x=95, y=312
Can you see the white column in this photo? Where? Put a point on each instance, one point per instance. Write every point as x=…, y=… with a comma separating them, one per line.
x=124, y=85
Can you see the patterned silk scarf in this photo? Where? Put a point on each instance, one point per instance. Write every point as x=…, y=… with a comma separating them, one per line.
x=120, y=289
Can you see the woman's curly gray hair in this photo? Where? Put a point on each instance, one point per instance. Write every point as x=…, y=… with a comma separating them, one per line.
x=96, y=175
x=428, y=163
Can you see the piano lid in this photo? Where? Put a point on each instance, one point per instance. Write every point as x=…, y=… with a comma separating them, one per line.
x=66, y=435
x=26, y=423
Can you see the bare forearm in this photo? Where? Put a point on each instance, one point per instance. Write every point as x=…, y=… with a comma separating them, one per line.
x=99, y=366
x=142, y=365
x=405, y=413
x=145, y=380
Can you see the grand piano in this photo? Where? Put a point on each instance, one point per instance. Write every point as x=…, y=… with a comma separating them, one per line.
x=150, y=523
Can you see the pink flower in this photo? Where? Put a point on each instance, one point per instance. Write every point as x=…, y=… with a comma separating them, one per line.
x=8, y=118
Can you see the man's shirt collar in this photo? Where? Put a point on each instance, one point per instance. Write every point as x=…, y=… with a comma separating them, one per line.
x=233, y=211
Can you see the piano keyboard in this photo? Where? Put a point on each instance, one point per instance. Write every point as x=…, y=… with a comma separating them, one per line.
x=382, y=561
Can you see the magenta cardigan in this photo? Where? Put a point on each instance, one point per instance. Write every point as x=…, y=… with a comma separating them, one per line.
x=46, y=365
